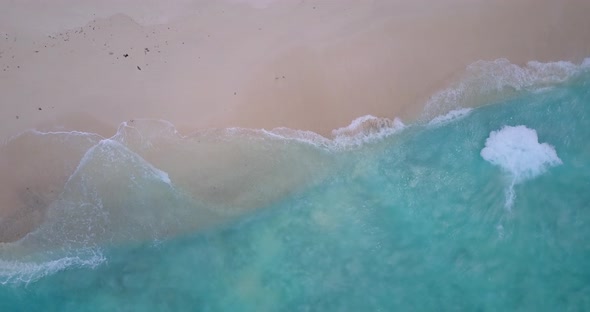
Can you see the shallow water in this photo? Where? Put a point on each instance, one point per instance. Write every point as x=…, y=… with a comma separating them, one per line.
x=481, y=209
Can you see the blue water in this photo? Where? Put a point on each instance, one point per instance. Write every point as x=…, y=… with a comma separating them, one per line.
x=417, y=221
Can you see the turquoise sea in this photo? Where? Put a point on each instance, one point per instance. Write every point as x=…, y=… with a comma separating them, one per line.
x=482, y=209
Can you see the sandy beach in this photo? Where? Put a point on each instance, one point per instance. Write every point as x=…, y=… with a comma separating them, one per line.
x=311, y=65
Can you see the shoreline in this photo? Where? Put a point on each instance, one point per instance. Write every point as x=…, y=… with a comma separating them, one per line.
x=38, y=165
x=436, y=107
x=256, y=64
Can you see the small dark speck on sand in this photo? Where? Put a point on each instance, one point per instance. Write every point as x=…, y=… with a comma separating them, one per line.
x=40, y=108
x=17, y=117
x=235, y=93
x=138, y=67
x=125, y=55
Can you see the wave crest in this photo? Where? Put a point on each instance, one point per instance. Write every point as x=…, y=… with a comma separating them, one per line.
x=490, y=81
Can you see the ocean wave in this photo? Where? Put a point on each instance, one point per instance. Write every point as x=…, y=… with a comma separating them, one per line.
x=366, y=129
x=451, y=116
x=146, y=182
x=149, y=182
x=360, y=131
x=490, y=81
x=25, y=272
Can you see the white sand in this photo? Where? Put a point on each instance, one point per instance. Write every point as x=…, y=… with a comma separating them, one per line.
x=313, y=65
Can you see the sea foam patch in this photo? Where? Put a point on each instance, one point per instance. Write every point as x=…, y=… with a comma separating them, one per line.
x=517, y=151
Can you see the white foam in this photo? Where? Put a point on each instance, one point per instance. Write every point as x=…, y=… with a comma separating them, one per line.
x=451, y=116
x=308, y=137
x=64, y=134
x=17, y=272
x=73, y=132
x=362, y=130
x=366, y=129
x=518, y=152
x=489, y=80
x=112, y=145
